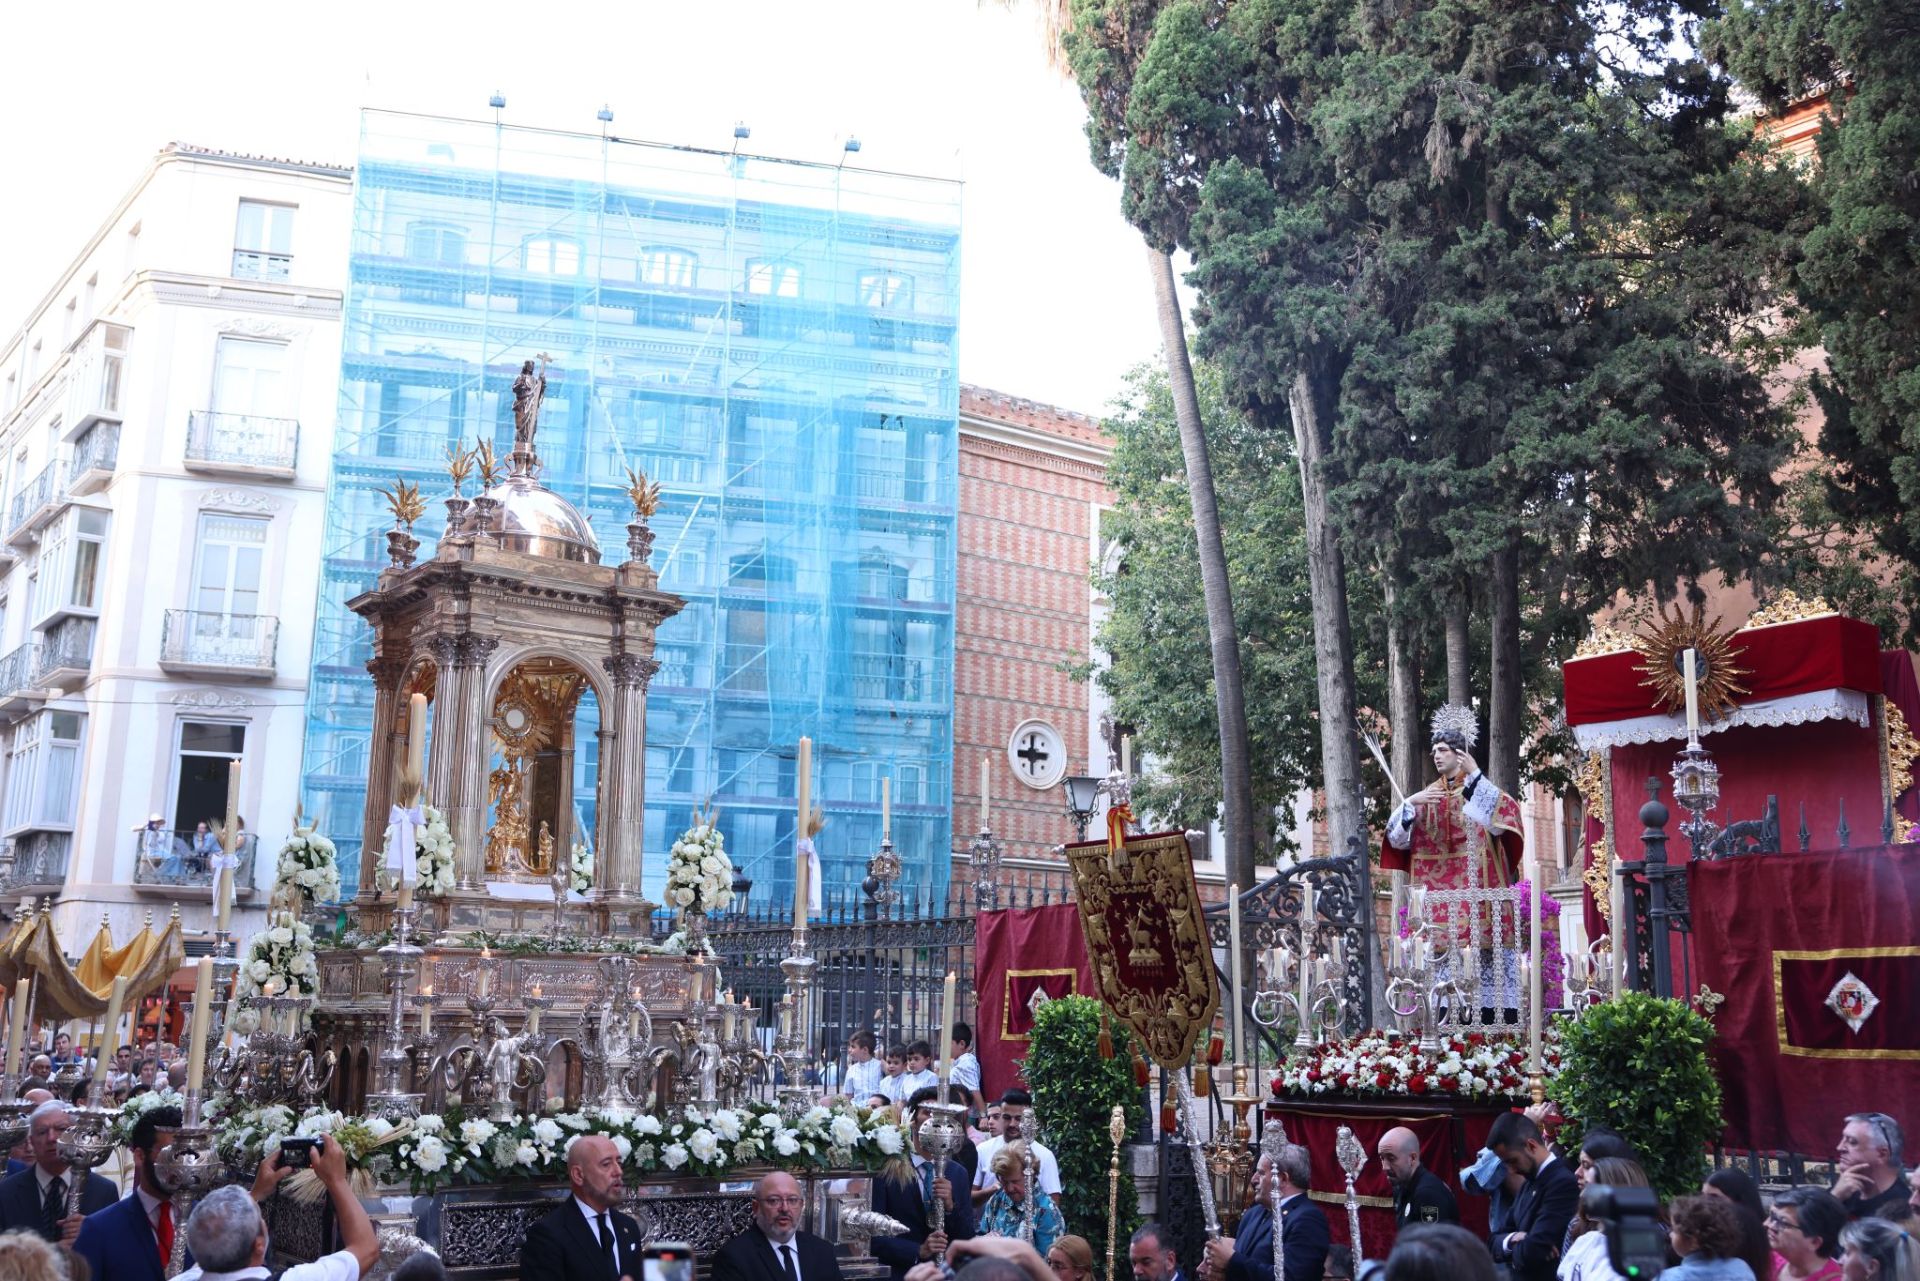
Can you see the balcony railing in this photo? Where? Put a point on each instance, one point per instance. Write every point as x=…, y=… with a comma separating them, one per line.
x=202, y=642
x=95, y=454
x=17, y=671
x=67, y=653
x=257, y=264
x=173, y=859
x=241, y=442
x=40, y=860
x=37, y=500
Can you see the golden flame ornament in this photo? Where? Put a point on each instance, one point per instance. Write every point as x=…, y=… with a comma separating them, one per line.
x=1716, y=675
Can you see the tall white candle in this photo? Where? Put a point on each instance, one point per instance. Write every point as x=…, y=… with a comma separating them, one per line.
x=1126, y=755
x=1534, y=1002
x=986, y=787
x=804, y=779
x=946, y=1034
x=1306, y=953
x=886, y=808
x=116, y=1001
x=426, y=1012
x=230, y=842
x=1616, y=927
x=1233, y=942
x=17, y=1029
x=202, y=1020
x=1690, y=661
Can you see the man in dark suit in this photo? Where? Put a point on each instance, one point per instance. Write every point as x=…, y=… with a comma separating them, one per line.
x=1303, y=1228
x=1150, y=1255
x=774, y=1248
x=1545, y=1205
x=907, y=1198
x=36, y=1197
x=1418, y=1194
x=131, y=1239
x=584, y=1238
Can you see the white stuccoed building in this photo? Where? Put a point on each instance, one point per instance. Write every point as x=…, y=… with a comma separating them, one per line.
x=166, y=415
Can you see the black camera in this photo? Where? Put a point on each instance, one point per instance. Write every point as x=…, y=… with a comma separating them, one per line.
x=297, y=1154
x=1636, y=1243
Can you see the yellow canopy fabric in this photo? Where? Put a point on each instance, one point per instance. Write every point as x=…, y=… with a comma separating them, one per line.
x=69, y=992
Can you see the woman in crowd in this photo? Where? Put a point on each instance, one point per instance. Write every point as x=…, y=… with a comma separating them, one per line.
x=1878, y=1250
x=1803, y=1227
x=25, y=1257
x=1005, y=1210
x=1071, y=1259
x=1706, y=1236
x=1439, y=1252
x=1585, y=1259
x=1738, y=1189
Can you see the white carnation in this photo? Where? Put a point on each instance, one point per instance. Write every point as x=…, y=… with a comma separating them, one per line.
x=430, y=1154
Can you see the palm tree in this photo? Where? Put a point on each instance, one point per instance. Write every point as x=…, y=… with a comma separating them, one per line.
x=1236, y=787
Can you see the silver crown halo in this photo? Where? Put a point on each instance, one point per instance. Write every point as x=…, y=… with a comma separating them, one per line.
x=1454, y=719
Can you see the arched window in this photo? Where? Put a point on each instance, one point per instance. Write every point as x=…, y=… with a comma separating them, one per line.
x=668, y=267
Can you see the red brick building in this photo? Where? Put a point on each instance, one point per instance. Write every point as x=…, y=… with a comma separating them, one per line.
x=1032, y=487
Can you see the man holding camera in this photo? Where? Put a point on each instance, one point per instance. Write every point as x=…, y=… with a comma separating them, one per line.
x=228, y=1236
x=1546, y=1203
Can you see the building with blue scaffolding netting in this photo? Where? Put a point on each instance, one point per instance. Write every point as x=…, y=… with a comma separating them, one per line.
x=775, y=343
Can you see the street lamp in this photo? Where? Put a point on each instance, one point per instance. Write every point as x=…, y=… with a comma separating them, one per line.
x=1083, y=798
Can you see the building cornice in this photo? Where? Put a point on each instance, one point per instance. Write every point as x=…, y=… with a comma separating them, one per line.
x=1034, y=441
x=182, y=289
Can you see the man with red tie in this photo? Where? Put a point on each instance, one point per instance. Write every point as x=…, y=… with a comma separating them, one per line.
x=132, y=1239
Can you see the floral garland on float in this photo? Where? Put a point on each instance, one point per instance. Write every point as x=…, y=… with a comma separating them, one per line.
x=699, y=877
x=280, y=961
x=433, y=844
x=453, y=1147
x=580, y=866
x=1475, y=1065
x=309, y=865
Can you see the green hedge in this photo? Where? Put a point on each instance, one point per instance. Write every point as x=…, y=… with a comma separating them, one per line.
x=1075, y=1091
x=1639, y=1065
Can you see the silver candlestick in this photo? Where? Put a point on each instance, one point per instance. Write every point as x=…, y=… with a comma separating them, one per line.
x=1273, y=1142
x=400, y=961
x=1353, y=1158
x=186, y=1170
x=940, y=1136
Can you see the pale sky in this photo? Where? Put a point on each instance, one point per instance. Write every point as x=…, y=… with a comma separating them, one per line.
x=1055, y=298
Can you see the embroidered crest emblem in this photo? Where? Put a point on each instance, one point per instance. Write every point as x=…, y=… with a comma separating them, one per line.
x=1853, y=1001
x=1429, y=1214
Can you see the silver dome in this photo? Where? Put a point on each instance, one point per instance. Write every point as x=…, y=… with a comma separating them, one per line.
x=532, y=518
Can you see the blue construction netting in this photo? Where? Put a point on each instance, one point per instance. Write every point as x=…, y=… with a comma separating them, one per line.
x=774, y=342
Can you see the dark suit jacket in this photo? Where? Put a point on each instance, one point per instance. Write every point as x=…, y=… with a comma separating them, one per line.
x=902, y=1201
x=1425, y=1200
x=20, y=1203
x=1542, y=1210
x=562, y=1247
x=118, y=1243
x=1305, y=1235
x=751, y=1257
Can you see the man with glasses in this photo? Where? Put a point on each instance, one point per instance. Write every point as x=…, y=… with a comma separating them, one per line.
x=775, y=1248
x=35, y=1199
x=1869, y=1179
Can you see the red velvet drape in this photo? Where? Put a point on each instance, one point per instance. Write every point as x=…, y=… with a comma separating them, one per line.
x=1017, y=952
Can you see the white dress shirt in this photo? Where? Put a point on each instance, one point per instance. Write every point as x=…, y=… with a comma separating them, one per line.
x=983, y=1176
x=593, y=1230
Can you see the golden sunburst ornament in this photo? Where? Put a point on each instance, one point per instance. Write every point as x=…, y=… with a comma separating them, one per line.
x=1716, y=676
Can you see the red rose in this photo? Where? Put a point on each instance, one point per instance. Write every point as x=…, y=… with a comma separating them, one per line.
x=1417, y=1083
x=1382, y=1078
x=1447, y=1083
x=1313, y=1074
x=1516, y=1058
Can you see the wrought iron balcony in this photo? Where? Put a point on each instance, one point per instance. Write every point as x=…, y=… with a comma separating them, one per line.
x=247, y=444
x=66, y=654
x=36, y=503
x=17, y=670
x=168, y=860
x=200, y=644
x=95, y=454
x=257, y=264
x=39, y=862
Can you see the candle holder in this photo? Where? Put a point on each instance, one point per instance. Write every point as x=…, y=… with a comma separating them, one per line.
x=67, y=1079
x=1230, y=1155
x=1696, y=786
x=883, y=875
x=1589, y=984
x=619, y=1051
x=794, y=1046
x=186, y=1170
x=984, y=853
x=13, y=1115
x=274, y=1065
x=88, y=1142
x=1353, y=1158
x=400, y=962
x=940, y=1135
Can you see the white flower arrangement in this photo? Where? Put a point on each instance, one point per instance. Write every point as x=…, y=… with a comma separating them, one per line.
x=1473, y=1065
x=699, y=873
x=438, y=1149
x=279, y=962
x=581, y=864
x=309, y=864
x=139, y=1105
x=433, y=846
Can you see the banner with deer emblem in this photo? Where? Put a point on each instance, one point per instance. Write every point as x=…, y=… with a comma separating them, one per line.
x=1147, y=941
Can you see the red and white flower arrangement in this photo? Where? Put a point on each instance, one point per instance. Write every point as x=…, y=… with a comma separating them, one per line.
x=1470, y=1065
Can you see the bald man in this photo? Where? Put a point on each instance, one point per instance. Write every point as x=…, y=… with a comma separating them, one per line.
x=775, y=1247
x=585, y=1238
x=1418, y=1194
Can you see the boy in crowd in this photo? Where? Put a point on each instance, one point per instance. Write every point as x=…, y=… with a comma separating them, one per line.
x=966, y=1068
x=919, y=1074
x=863, y=1070
x=893, y=1069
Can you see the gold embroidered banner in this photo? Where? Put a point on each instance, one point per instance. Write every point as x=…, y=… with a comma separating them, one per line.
x=1147, y=940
